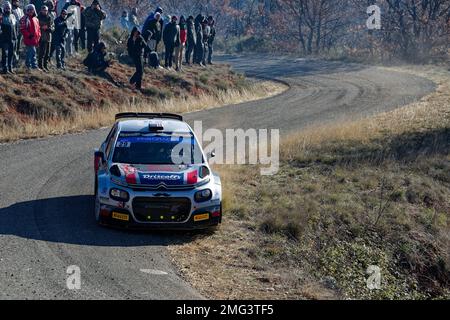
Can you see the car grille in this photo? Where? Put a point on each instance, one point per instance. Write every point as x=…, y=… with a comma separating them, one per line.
x=159, y=209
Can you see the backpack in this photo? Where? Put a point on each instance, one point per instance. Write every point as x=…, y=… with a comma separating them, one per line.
x=153, y=59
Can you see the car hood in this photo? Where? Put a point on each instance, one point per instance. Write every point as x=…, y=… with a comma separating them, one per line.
x=156, y=175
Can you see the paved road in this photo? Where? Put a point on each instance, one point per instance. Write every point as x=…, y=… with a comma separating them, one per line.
x=46, y=221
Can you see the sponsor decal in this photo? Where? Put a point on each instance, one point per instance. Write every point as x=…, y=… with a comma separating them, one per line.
x=157, y=178
x=150, y=139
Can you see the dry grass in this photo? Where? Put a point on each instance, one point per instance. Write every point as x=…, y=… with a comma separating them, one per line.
x=98, y=117
x=37, y=104
x=374, y=191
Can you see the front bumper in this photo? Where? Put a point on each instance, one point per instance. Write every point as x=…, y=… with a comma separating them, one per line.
x=164, y=209
x=214, y=219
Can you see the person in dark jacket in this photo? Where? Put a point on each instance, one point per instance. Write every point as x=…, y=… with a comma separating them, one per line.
x=136, y=45
x=151, y=20
x=18, y=13
x=191, y=39
x=58, y=38
x=152, y=32
x=179, y=47
x=211, y=38
x=171, y=37
x=96, y=60
x=199, y=47
x=47, y=27
x=94, y=16
x=8, y=37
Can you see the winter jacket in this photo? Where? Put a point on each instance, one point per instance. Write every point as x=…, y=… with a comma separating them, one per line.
x=212, y=35
x=171, y=35
x=136, y=47
x=134, y=21
x=153, y=30
x=8, y=28
x=31, y=31
x=94, y=18
x=191, y=35
x=206, y=30
x=95, y=61
x=47, y=26
x=61, y=31
x=198, y=28
x=183, y=33
x=151, y=20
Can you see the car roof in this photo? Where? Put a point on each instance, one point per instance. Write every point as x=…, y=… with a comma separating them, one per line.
x=142, y=125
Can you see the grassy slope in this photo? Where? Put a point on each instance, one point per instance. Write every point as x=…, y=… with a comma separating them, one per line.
x=34, y=104
x=371, y=192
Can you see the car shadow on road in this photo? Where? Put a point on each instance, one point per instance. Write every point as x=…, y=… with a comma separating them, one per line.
x=70, y=220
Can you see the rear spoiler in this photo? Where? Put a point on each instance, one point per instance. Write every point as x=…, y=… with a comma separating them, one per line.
x=144, y=115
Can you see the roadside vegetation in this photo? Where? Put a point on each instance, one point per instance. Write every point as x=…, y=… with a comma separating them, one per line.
x=349, y=195
x=36, y=104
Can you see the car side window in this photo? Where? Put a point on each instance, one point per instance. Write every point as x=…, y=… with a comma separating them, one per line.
x=110, y=141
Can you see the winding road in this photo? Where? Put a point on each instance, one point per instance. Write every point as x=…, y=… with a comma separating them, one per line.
x=46, y=220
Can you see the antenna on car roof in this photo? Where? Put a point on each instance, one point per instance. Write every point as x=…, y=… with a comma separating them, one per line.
x=144, y=115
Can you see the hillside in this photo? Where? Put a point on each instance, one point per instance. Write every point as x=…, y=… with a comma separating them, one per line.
x=35, y=104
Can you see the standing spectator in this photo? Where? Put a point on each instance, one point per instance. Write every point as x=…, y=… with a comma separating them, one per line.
x=8, y=37
x=206, y=29
x=29, y=27
x=136, y=45
x=18, y=13
x=82, y=33
x=211, y=38
x=74, y=25
x=179, y=49
x=51, y=5
x=124, y=21
x=191, y=39
x=94, y=16
x=199, y=47
x=133, y=18
x=46, y=23
x=171, y=37
x=59, y=38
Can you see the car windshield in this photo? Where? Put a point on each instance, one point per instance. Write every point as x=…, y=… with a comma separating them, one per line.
x=161, y=148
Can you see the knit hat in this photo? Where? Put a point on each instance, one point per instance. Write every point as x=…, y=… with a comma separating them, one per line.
x=30, y=7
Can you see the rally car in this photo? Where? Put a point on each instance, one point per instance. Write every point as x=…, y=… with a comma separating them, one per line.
x=151, y=172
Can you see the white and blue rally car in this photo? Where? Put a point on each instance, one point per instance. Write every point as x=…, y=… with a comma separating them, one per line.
x=151, y=172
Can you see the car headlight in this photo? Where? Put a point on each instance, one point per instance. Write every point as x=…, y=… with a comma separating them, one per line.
x=203, y=195
x=119, y=195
